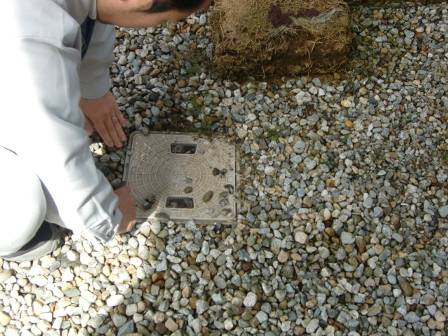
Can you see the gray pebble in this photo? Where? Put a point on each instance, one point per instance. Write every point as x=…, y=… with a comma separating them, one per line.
x=443, y=211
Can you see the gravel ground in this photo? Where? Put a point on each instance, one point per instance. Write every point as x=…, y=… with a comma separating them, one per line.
x=344, y=212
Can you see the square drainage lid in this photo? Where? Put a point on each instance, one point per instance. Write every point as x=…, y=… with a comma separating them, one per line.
x=183, y=176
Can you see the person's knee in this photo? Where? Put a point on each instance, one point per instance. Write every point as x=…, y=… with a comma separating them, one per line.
x=23, y=204
x=21, y=226
x=31, y=220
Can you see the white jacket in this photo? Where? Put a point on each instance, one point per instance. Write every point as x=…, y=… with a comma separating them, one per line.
x=41, y=81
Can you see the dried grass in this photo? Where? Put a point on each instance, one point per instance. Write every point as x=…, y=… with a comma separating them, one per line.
x=306, y=37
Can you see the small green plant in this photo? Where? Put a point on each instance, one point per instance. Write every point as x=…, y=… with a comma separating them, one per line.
x=445, y=157
x=206, y=125
x=378, y=155
x=196, y=106
x=273, y=135
x=193, y=70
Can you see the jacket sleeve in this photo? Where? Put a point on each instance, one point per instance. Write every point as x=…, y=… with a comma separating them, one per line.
x=53, y=142
x=94, y=71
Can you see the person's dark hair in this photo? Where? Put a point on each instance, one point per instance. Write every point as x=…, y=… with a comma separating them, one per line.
x=183, y=5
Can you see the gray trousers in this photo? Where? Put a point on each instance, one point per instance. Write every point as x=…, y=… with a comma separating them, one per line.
x=24, y=203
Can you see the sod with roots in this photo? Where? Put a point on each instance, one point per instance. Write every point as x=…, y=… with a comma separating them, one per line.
x=286, y=37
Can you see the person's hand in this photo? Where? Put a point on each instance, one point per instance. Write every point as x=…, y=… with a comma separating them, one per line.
x=126, y=204
x=104, y=116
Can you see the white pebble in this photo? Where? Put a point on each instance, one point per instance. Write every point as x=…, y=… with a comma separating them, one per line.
x=14, y=332
x=137, y=262
x=5, y=275
x=85, y=259
x=300, y=237
x=228, y=324
x=4, y=319
x=439, y=316
x=196, y=326
x=115, y=300
x=131, y=309
x=145, y=229
x=88, y=296
x=159, y=317
x=171, y=325
x=202, y=19
x=250, y=300
x=283, y=256
x=46, y=316
x=162, y=266
x=72, y=256
x=40, y=281
x=312, y=326
x=156, y=227
x=327, y=214
x=269, y=170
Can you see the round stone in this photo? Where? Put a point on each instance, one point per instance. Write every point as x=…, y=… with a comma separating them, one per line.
x=439, y=316
x=5, y=275
x=411, y=317
x=312, y=326
x=201, y=307
x=347, y=238
x=250, y=300
x=327, y=214
x=118, y=320
x=300, y=237
x=299, y=147
x=220, y=282
x=269, y=170
x=368, y=203
x=228, y=324
x=283, y=256
x=72, y=256
x=4, y=319
x=171, y=325
x=443, y=211
x=262, y=316
x=137, y=262
x=131, y=309
x=346, y=103
x=155, y=226
x=115, y=300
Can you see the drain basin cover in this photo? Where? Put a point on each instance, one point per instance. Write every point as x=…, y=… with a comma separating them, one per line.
x=182, y=176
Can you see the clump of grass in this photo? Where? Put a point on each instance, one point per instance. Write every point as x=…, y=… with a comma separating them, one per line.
x=273, y=135
x=378, y=155
x=445, y=157
x=196, y=106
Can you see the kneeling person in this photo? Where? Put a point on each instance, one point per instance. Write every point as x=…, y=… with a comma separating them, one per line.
x=58, y=83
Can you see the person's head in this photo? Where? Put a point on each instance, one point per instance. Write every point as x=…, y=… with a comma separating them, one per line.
x=146, y=13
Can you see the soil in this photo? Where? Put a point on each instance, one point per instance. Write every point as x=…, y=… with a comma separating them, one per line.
x=264, y=38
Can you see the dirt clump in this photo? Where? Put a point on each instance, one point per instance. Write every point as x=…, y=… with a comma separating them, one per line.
x=277, y=38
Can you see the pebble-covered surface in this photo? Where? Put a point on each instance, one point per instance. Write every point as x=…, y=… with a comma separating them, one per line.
x=344, y=214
